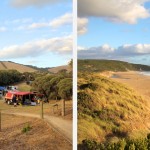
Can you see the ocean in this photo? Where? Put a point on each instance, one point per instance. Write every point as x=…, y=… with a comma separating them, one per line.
x=147, y=73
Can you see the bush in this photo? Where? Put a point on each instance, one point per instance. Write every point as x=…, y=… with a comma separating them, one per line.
x=93, y=86
x=26, y=128
x=124, y=144
x=148, y=136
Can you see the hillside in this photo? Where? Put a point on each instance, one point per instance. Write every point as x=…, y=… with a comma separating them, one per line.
x=59, y=68
x=109, y=110
x=7, y=65
x=90, y=65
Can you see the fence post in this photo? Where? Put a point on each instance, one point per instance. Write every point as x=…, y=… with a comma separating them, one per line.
x=63, y=107
x=0, y=121
x=42, y=109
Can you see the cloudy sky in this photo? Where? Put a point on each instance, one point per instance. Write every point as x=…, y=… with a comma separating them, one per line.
x=36, y=32
x=114, y=29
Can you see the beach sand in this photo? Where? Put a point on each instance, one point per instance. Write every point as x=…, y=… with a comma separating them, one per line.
x=140, y=83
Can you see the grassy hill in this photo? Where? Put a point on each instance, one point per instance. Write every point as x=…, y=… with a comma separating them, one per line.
x=59, y=68
x=108, y=110
x=7, y=65
x=109, y=65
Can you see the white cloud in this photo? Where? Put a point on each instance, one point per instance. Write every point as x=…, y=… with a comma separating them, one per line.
x=58, y=45
x=128, y=11
x=65, y=19
x=82, y=25
x=37, y=25
x=106, y=51
x=18, y=21
x=62, y=20
x=38, y=3
x=3, y=29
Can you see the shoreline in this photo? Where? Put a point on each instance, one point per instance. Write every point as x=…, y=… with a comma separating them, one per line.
x=136, y=80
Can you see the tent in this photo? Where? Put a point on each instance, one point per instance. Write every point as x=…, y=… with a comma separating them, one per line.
x=26, y=97
x=2, y=88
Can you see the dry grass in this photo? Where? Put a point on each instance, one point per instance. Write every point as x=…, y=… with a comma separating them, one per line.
x=57, y=69
x=40, y=137
x=2, y=67
x=48, y=108
x=23, y=87
x=18, y=67
x=108, y=109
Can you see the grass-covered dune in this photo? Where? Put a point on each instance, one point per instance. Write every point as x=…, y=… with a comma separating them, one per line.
x=108, y=110
x=92, y=65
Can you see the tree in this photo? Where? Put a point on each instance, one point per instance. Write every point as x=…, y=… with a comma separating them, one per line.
x=71, y=63
x=54, y=86
x=9, y=77
x=65, y=88
x=42, y=85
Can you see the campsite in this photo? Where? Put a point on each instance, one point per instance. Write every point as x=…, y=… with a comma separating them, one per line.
x=43, y=109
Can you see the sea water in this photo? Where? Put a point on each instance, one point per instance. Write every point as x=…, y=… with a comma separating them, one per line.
x=147, y=73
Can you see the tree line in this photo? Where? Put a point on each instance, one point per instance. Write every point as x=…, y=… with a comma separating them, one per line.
x=8, y=77
x=93, y=65
x=54, y=86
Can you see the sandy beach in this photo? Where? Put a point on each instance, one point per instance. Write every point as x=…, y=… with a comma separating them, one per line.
x=140, y=83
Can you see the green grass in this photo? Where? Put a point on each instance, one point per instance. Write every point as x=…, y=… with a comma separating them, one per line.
x=108, y=110
x=26, y=129
x=24, y=87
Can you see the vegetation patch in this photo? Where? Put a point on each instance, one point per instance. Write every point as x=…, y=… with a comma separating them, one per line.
x=110, y=110
x=124, y=144
x=26, y=129
x=90, y=65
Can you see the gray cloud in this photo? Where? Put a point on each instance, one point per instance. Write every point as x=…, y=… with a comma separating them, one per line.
x=127, y=11
x=37, y=3
x=58, y=45
x=106, y=51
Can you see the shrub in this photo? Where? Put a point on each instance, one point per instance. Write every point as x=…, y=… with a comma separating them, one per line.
x=148, y=136
x=93, y=86
x=26, y=128
x=124, y=144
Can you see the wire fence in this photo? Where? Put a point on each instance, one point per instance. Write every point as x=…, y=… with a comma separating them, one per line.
x=54, y=108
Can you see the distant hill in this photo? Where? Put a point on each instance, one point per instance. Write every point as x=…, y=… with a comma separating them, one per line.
x=92, y=65
x=109, y=110
x=59, y=68
x=7, y=65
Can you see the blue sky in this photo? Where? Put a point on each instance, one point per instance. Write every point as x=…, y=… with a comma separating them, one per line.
x=36, y=32
x=114, y=29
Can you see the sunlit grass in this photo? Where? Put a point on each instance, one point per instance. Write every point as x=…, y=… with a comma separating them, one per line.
x=111, y=110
